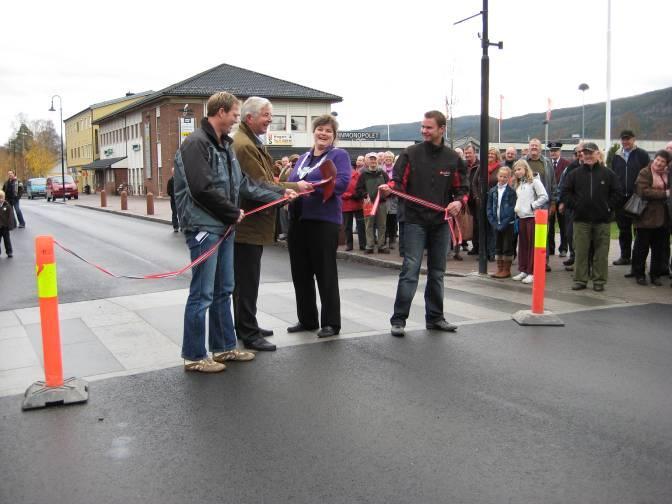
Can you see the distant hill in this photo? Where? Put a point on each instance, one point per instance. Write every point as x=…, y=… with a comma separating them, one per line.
x=648, y=114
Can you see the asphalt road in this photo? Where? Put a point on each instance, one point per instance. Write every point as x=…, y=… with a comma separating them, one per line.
x=120, y=244
x=496, y=413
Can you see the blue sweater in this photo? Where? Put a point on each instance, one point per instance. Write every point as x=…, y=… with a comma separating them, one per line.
x=311, y=207
x=506, y=210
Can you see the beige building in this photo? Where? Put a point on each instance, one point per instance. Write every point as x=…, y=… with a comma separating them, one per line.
x=81, y=136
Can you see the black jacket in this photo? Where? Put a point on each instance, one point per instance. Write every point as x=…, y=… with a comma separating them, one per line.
x=170, y=188
x=593, y=192
x=12, y=191
x=434, y=173
x=7, y=215
x=627, y=172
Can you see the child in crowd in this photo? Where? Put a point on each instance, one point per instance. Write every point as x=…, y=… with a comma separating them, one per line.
x=531, y=196
x=501, y=216
x=367, y=188
x=7, y=223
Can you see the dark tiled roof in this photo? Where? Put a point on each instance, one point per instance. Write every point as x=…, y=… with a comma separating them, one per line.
x=244, y=83
x=239, y=81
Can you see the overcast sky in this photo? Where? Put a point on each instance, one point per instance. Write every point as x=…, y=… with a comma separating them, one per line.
x=390, y=61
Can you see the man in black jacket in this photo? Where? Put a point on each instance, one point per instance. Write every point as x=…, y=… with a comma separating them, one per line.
x=435, y=173
x=593, y=192
x=170, y=189
x=208, y=187
x=627, y=163
x=13, y=191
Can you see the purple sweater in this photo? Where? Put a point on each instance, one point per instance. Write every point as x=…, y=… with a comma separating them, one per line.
x=311, y=207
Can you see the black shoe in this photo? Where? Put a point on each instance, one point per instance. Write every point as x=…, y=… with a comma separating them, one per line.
x=384, y=251
x=259, y=344
x=642, y=281
x=598, y=287
x=368, y=251
x=621, y=261
x=265, y=332
x=569, y=268
x=656, y=281
x=569, y=262
x=327, y=332
x=548, y=268
x=348, y=248
x=175, y=230
x=441, y=325
x=472, y=252
x=9, y=254
x=458, y=257
x=21, y=226
x=491, y=258
x=578, y=286
x=299, y=328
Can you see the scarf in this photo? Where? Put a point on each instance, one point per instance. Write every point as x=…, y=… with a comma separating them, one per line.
x=659, y=179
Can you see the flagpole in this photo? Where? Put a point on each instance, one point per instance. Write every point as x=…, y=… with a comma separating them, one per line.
x=499, y=134
x=607, y=118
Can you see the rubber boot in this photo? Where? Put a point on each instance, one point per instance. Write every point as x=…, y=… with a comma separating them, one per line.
x=500, y=268
x=506, y=269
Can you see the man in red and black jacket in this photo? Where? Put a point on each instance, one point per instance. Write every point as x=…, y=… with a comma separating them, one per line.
x=433, y=172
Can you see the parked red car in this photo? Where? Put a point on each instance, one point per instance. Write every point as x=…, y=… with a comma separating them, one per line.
x=56, y=188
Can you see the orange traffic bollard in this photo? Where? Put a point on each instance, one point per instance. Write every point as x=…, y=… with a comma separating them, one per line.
x=53, y=390
x=103, y=199
x=124, y=200
x=537, y=316
x=540, y=240
x=150, y=203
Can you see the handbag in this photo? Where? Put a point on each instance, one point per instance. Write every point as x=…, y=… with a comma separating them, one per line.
x=635, y=205
x=466, y=223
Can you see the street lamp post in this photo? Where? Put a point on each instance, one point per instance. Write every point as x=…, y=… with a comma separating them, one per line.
x=60, y=108
x=583, y=87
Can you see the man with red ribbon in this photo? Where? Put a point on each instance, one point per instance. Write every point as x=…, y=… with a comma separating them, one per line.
x=431, y=182
x=208, y=187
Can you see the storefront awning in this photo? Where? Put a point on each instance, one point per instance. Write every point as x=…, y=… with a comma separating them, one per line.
x=102, y=164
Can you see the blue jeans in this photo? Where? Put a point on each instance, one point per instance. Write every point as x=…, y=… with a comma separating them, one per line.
x=211, y=287
x=19, y=213
x=416, y=238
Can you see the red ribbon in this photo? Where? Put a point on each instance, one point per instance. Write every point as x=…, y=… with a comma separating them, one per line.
x=455, y=231
x=205, y=255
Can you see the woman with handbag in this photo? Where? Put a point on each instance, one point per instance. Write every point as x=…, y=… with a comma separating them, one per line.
x=653, y=225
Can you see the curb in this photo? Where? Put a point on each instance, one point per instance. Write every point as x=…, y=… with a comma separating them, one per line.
x=373, y=261
x=127, y=214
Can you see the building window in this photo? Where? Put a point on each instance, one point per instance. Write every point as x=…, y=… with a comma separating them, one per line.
x=298, y=123
x=279, y=123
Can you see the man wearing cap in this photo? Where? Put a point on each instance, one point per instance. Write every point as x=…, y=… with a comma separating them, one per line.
x=626, y=164
x=258, y=229
x=367, y=188
x=567, y=213
x=592, y=192
x=559, y=164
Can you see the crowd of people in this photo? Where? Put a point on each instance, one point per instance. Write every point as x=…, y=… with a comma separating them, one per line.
x=218, y=179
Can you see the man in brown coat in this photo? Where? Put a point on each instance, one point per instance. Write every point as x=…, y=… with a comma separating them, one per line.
x=256, y=230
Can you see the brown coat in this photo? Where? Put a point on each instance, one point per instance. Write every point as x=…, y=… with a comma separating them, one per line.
x=257, y=164
x=655, y=213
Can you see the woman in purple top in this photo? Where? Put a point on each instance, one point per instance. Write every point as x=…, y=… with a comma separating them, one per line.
x=313, y=233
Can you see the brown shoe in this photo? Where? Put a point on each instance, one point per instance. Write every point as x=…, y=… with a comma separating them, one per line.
x=506, y=269
x=500, y=266
x=206, y=365
x=232, y=355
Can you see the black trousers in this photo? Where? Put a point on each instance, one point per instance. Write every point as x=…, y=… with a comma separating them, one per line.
x=504, y=246
x=624, y=233
x=312, y=256
x=658, y=240
x=358, y=215
x=4, y=236
x=173, y=210
x=551, y=232
x=391, y=227
x=247, y=274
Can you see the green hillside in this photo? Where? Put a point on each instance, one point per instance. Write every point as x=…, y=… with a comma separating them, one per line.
x=648, y=114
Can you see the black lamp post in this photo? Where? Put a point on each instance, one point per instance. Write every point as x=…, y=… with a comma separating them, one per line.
x=60, y=108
